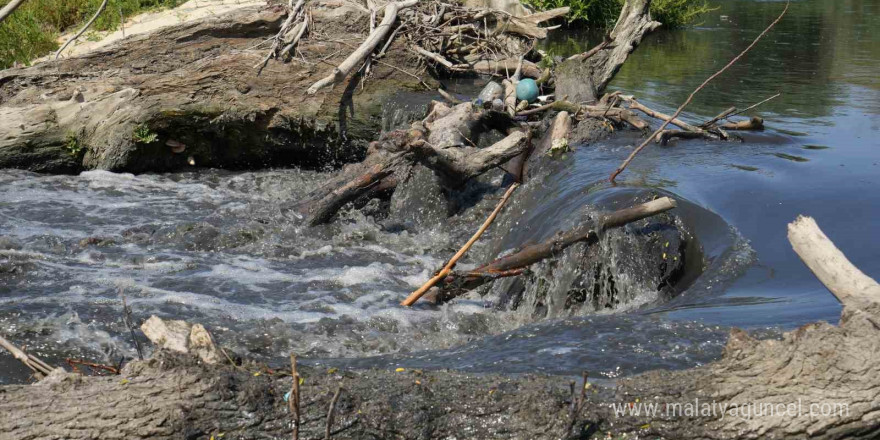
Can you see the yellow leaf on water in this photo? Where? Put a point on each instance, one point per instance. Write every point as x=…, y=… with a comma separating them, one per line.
x=332, y=370
x=645, y=426
x=257, y=374
x=400, y=370
x=123, y=382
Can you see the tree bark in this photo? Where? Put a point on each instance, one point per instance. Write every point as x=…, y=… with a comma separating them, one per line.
x=584, y=79
x=849, y=284
x=194, y=84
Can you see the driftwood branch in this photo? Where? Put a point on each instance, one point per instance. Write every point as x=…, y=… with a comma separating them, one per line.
x=325, y=208
x=514, y=264
x=697, y=90
x=447, y=269
x=636, y=105
x=754, y=123
x=40, y=368
x=849, y=284
x=366, y=48
x=83, y=30
x=458, y=165
x=9, y=8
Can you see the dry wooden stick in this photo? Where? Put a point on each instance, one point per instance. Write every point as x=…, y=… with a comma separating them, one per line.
x=722, y=115
x=293, y=400
x=40, y=368
x=293, y=14
x=83, y=30
x=331, y=412
x=447, y=269
x=753, y=105
x=366, y=48
x=126, y=318
x=9, y=8
x=691, y=97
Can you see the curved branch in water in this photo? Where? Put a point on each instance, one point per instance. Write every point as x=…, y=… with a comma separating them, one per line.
x=691, y=97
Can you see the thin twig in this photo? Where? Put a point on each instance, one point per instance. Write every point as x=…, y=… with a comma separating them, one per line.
x=9, y=8
x=293, y=400
x=81, y=31
x=126, y=318
x=331, y=412
x=752, y=106
x=691, y=97
x=451, y=264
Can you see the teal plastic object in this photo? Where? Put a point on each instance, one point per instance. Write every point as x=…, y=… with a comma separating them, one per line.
x=527, y=90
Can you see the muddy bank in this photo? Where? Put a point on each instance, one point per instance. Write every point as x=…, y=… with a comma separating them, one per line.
x=190, y=95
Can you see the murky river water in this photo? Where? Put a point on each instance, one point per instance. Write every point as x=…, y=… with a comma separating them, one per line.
x=219, y=248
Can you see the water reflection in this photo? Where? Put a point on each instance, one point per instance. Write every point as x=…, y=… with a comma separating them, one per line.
x=812, y=56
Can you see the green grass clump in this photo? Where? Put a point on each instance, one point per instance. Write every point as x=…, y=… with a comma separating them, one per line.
x=33, y=29
x=603, y=13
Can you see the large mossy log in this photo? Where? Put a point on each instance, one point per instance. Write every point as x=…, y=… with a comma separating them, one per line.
x=130, y=106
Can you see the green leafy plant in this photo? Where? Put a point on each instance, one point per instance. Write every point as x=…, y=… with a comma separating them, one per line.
x=143, y=135
x=603, y=13
x=73, y=145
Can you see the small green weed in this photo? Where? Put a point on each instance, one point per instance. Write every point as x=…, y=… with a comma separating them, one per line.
x=143, y=135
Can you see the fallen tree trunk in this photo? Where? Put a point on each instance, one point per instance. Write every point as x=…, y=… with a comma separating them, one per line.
x=192, y=88
x=583, y=79
x=458, y=165
x=323, y=206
